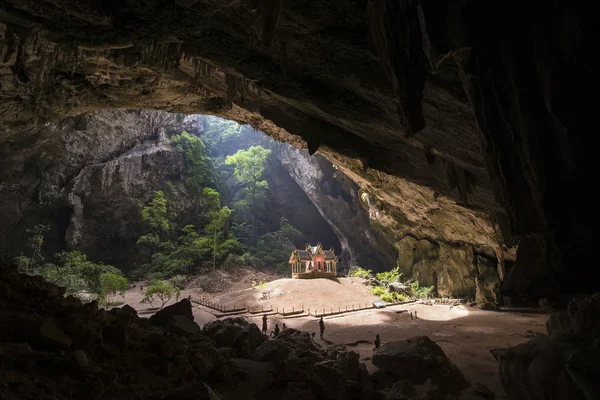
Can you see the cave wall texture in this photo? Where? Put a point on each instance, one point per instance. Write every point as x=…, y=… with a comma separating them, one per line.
x=486, y=104
x=87, y=177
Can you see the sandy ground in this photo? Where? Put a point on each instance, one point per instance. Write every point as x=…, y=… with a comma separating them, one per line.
x=465, y=334
x=288, y=294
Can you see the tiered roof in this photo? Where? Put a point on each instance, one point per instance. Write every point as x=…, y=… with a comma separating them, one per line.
x=310, y=252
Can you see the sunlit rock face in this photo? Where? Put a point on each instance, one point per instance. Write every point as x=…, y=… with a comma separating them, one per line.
x=478, y=102
x=87, y=178
x=337, y=198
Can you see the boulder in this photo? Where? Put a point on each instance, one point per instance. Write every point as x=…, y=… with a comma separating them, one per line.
x=116, y=334
x=271, y=350
x=353, y=389
x=397, y=287
x=83, y=332
x=381, y=380
x=48, y=336
x=128, y=309
x=404, y=390
x=333, y=350
x=418, y=359
x=248, y=340
x=204, y=358
x=560, y=365
x=558, y=323
x=78, y=358
x=297, y=340
x=164, y=316
x=184, y=326
x=347, y=364
x=239, y=321
x=365, y=378
x=297, y=391
x=222, y=333
x=193, y=391
x=487, y=285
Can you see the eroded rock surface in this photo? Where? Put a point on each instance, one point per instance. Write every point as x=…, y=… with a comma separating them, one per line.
x=418, y=359
x=560, y=365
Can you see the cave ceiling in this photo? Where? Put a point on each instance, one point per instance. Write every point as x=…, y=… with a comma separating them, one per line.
x=484, y=104
x=304, y=72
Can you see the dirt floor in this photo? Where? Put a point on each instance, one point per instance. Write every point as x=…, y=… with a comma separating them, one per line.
x=465, y=334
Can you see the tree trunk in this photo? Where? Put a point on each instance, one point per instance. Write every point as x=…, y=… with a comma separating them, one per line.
x=215, y=251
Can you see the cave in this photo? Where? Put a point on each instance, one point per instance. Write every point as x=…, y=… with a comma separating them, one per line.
x=447, y=143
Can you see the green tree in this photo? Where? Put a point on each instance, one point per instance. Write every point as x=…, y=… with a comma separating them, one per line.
x=197, y=162
x=110, y=285
x=249, y=166
x=76, y=273
x=217, y=216
x=156, y=214
x=25, y=264
x=161, y=291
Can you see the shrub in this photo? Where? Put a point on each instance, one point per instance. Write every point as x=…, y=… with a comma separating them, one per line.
x=420, y=292
x=179, y=281
x=358, y=272
x=378, y=291
x=161, y=291
x=260, y=285
x=110, y=285
x=387, y=297
x=389, y=276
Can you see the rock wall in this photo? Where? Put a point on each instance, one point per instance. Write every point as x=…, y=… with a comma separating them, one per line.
x=286, y=198
x=453, y=270
x=336, y=198
x=87, y=177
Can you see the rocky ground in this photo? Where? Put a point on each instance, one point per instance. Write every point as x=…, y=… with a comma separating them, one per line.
x=54, y=347
x=465, y=334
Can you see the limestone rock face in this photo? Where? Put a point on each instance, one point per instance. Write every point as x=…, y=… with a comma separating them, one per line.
x=87, y=177
x=418, y=359
x=559, y=365
x=337, y=198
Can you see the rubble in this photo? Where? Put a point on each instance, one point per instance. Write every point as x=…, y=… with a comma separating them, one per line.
x=53, y=347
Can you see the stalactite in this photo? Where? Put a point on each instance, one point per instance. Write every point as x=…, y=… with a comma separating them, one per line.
x=269, y=11
x=283, y=62
x=202, y=69
x=429, y=155
x=396, y=38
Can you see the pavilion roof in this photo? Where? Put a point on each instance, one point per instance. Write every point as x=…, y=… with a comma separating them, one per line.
x=329, y=255
x=304, y=255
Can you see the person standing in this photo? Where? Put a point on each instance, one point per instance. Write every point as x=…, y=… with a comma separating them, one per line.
x=377, y=342
x=276, y=332
x=264, y=327
x=322, y=327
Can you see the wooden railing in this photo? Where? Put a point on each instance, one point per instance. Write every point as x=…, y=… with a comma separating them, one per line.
x=288, y=311
x=219, y=307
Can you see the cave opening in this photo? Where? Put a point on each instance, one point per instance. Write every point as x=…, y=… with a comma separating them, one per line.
x=445, y=151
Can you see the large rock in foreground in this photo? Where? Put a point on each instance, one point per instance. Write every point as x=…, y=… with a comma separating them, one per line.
x=164, y=316
x=417, y=359
x=563, y=365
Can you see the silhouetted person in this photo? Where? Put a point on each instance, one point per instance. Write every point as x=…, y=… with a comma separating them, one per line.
x=283, y=326
x=276, y=332
x=312, y=336
x=377, y=341
x=141, y=287
x=264, y=328
x=322, y=326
